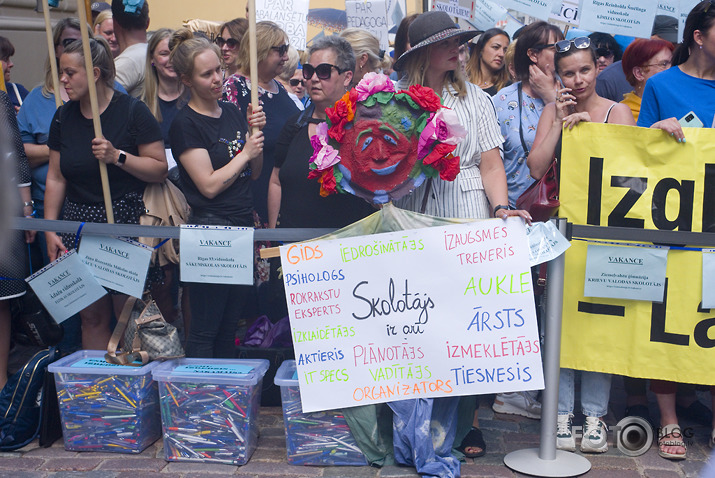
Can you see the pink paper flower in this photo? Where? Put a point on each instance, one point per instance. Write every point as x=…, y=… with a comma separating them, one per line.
x=443, y=127
x=373, y=83
x=324, y=155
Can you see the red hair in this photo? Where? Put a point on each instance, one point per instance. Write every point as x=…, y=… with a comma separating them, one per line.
x=639, y=53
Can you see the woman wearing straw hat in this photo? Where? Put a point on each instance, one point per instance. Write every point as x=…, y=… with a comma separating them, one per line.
x=480, y=189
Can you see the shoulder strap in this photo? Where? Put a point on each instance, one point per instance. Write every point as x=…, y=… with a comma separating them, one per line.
x=521, y=130
x=608, y=113
x=123, y=358
x=17, y=93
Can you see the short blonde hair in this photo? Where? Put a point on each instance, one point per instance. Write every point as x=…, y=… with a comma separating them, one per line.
x=103, y=16
x=268, y=35
x=291, y=65
x=364, y=42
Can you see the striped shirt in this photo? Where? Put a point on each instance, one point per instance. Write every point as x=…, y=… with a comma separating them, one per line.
x=465, y=196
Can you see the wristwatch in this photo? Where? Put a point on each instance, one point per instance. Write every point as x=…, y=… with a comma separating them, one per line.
x=122, y=158
x=502, y=206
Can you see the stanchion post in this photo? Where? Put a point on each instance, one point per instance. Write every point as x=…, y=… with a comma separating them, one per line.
x=547, y=460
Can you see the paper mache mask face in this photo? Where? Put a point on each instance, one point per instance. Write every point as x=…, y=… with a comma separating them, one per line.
x=380, y=144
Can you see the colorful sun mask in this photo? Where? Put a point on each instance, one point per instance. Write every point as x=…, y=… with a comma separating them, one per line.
x=380, y=145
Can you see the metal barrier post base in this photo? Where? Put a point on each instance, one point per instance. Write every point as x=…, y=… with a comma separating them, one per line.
x=565, y=463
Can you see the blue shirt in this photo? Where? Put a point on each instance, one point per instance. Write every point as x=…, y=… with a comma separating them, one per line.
x=673, y=94
x=34, y=121
x=506, y=101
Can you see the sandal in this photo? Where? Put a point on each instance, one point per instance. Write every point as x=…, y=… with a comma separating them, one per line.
x=670, y=435
x=474, y=439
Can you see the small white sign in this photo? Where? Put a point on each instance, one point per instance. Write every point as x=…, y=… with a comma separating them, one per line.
x=118, y=264
x=370, y=15
x=619, y=17
x=708, y=278
x=216, y=254
x=684, y=11
x=623, y=272
x=290, y=15
x=65, y=286
x=487, y=14
x=456, y=8
x=545, y=242
x=536, y=8
x=566, y=11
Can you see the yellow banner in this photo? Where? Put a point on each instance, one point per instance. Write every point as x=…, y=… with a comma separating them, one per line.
x=642, y=178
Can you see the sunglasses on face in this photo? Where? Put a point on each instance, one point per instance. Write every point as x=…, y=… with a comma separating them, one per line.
x=295, y=82
x=605, y=52
x=231, y=43
x=324, y=70
x=282, y=49
x=580, y=43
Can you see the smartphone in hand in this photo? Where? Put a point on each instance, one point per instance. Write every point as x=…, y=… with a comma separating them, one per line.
x=690, y=120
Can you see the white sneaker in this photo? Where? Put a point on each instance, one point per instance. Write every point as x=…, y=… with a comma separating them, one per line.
x=517, y=403
x=595, y=436
x=564, y=434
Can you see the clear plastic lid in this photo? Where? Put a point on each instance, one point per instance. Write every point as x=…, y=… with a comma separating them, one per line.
x=92, y=362
x=213, y=371
x=287, y=374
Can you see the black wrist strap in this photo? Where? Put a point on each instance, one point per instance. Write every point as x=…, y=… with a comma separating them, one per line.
x=521, y=131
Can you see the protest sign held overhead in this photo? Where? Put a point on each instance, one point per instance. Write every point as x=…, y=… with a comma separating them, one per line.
x=290, y=15
x=370, y=15
x=619, y=17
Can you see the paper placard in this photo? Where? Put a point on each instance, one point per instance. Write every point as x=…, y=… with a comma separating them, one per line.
x=65, y=286
x=370, y=15
x=566, y=11
x=216, y=254
x=396, y=11
x=708, y=279
x=619, y=17
x=685, y=6
x=117, y=264
x=668, y=7
x=545, y=242
x=622, y=272
x=228, y=369
x=290, y=15
x=487, y=14
x=456, y=8
x=536, y=8
x=433, y=312
x=96, y=363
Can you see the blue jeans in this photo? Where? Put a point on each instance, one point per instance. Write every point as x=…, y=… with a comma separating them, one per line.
x=595, y=392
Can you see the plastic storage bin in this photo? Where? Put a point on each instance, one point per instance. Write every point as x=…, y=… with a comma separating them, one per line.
x=316, y=438
x=209, y=408
x=106, y=407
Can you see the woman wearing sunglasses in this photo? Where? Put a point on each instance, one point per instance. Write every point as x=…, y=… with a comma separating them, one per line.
x=228, y=41
x=292, y=78
x=577, y=101
x=607, y=49
x=688, y=87
x=272, y=45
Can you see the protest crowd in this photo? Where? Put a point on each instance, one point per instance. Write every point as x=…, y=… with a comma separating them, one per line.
x=176, y=109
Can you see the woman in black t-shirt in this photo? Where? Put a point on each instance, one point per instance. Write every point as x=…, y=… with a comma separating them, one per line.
x=217, y=160
x=132, y=148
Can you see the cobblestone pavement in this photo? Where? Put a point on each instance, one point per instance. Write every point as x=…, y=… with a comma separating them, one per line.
x=503, y=434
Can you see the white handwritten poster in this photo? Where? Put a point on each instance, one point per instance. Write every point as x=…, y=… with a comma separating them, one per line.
x=617, y=272
x=290, y=15
x=370, y=15
x=535, y=8
x=434, y=312
x=619, y=17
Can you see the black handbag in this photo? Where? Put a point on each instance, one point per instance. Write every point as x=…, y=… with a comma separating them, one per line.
x=32, y=324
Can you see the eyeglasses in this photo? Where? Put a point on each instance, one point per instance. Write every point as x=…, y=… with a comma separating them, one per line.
x=231, y=43
x=663, y=65
x=324, y=70
x=605, y=52
x=580, y=43
x=295, y=82
x=282, y=50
